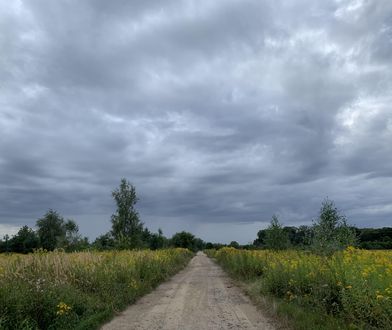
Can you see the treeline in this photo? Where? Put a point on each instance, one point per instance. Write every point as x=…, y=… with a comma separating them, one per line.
x=52, y=232
x=329, y=232
x=128, y=232
x=28, y=240
x=301, y=237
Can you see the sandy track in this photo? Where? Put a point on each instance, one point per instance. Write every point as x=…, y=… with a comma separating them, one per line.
x=199, y=297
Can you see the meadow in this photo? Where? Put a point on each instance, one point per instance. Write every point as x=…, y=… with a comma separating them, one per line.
x=57, y=290
x=352, y=289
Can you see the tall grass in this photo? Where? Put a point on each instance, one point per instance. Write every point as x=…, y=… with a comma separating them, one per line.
x=353, y=285
x=60, y=290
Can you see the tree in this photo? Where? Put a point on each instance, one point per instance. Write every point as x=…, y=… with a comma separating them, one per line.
x=51, y=230
x=260, y=240
x=198, y=244
x=276, y=238
x=158, y=241
x=184, y=240
x=234, y=244
x=25, y=241
x=127, y=228
x=375, y=238
x=73, y=241
x=104, y=242
x=304, y=236
x=331, y=231
x=5, y=244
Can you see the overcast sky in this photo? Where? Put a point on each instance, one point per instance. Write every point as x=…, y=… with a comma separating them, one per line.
x=221, y=113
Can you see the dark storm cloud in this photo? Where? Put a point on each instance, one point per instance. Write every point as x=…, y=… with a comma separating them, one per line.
x=221, y=113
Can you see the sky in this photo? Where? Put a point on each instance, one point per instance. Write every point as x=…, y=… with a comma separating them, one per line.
x=221, y=113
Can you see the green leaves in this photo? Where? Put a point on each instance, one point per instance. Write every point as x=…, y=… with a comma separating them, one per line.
x=276, y=238
x=331, y=231
x=127, y=228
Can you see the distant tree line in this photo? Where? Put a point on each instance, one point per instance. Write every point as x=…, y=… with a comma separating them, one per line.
x=329, y=232
x=128, y=232
x=52, y=232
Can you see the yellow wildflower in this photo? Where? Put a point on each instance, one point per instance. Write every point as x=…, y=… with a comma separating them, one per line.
x=63, y=308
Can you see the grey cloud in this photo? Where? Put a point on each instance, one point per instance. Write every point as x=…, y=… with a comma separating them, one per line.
x=221, y=113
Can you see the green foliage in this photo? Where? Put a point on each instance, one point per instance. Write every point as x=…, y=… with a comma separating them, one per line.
x=158, y=241
x=183, y=239
x=299, y=237
x=54, y=232
x=260, y=240
x=187, y=240
x=73, y=240
x=209, y=246
x=127, y=228
x=25, y=241
x=234, y=244
x=276, y=238
x=331, y=232
x=104, y=242
x=303, y=237
x=375, y=238
x=51, y=230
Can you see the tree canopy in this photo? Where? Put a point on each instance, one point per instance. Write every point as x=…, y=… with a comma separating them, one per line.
x=127, y=228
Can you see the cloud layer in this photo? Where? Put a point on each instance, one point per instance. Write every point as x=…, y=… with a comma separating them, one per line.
x=221, y=113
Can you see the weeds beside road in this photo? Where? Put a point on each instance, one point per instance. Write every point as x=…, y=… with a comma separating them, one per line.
x=351, y=289
x=58, y=290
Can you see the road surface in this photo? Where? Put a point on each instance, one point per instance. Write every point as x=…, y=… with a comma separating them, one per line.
x=201, y=296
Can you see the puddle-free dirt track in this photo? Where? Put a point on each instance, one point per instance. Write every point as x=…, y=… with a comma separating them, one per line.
x=201, y=296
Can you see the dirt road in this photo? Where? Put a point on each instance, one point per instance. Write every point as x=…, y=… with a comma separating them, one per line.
x=199, y=297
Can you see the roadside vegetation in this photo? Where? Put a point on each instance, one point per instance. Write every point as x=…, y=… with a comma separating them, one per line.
x=58, y=290
x=350, y=289
x=326, y=283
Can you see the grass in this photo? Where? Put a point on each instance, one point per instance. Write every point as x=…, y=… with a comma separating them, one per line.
x=58, y=290
x=350, y=290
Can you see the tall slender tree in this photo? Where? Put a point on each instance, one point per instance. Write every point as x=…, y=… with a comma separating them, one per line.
x=127, y=229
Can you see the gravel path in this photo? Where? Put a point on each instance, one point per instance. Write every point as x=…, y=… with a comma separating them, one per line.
x=199, y=297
